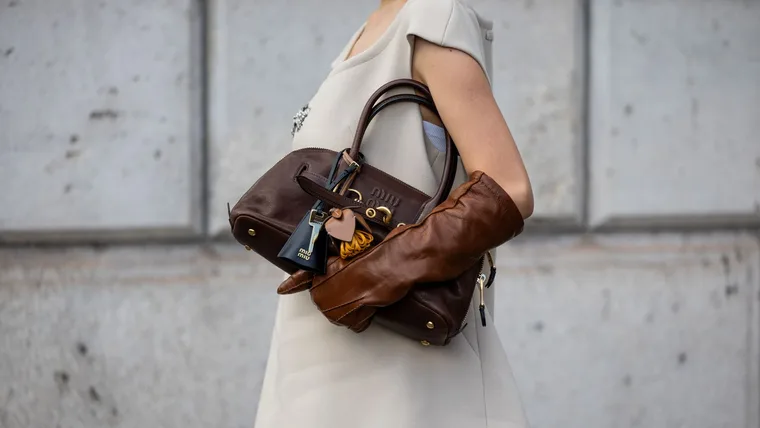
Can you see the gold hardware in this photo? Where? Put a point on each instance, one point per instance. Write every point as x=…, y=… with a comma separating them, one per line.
x=251, y=232
x=481, y=287
x=430, y=325
x=388, y=214
x=357, y=192
x=482, y=307
x=425, y=343
x=401, y=224
x=247, y=248
x=371, y=213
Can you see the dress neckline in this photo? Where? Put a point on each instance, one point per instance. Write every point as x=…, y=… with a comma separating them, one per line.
x=343, y=61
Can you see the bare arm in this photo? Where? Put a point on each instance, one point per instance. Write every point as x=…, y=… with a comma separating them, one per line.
x=466, y=104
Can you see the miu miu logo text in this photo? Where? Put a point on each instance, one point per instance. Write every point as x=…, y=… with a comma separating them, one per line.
x=381, y=197
x=302, y=253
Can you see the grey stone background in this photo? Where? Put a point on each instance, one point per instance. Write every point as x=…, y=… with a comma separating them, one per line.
x=125, y=127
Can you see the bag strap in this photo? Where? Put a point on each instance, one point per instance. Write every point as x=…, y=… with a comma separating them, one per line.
x=365, y=117
x=331, y=182
x=373, y=107
x=395, y=99
x=313, y=185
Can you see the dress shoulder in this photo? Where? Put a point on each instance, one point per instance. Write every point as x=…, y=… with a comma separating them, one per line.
x=452, y=24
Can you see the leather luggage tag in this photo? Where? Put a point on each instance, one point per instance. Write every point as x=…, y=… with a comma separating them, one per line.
x=341, y=224
x=302, y=249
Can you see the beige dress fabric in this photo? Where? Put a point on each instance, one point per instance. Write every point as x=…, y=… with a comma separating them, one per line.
x=323, y=376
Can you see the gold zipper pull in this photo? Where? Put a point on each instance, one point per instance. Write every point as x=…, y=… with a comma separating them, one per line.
x=482, y=287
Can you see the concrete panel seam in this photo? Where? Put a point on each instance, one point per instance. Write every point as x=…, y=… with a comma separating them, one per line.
x=678, y=223
x=585, y=113
x=204, y=8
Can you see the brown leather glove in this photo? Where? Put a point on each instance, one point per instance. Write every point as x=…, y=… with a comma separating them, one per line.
x=478, y=216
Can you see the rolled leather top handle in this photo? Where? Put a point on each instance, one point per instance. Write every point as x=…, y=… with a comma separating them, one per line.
x=366, y=117
x=373, y=107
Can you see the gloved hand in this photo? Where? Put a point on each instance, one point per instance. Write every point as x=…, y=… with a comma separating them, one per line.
x=478, y=216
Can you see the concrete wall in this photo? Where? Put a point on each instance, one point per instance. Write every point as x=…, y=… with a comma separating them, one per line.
x=125, y=127
x=100, y=119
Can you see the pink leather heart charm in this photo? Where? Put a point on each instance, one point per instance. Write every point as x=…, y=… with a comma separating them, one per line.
x=341, y=225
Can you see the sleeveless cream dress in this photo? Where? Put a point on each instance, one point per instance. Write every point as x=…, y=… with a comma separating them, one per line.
x=323, y=376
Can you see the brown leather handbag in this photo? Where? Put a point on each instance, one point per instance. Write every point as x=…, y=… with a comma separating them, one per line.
x=270, y=211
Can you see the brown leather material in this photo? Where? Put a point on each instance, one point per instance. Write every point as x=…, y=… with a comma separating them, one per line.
x=267, y=214
x=404, y=201
x=275, y=204
x=478, y=216
x=449, y=175
x=299, y=281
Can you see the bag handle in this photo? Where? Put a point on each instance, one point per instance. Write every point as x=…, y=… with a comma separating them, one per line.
x=365, y=118
x=373, y=107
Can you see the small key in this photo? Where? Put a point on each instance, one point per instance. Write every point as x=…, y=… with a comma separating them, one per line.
x=316, y=221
